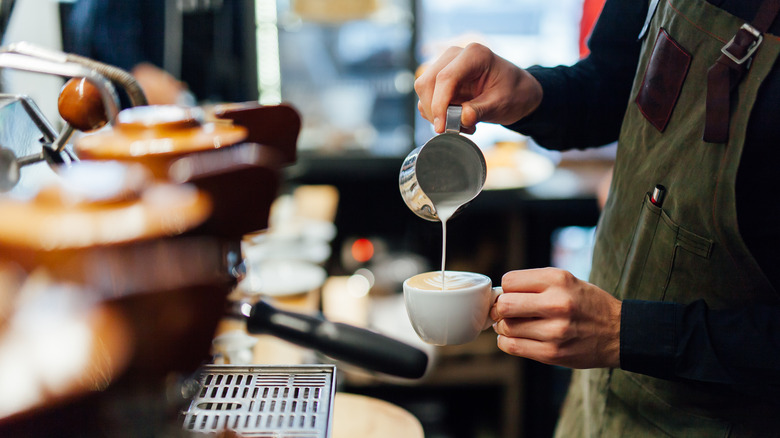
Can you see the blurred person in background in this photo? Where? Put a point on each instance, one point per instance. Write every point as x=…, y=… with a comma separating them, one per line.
x=677, y=331
x=180, y=52
x=127, y=34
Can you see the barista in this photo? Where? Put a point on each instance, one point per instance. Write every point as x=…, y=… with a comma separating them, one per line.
x=678, y=330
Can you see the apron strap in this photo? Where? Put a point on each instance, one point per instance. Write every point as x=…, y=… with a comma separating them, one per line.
x=728, y=70
x=648, y=18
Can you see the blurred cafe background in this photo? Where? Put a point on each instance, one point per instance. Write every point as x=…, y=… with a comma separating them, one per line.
x=225, y=176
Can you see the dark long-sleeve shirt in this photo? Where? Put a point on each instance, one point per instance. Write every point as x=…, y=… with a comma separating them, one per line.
x=583, y=106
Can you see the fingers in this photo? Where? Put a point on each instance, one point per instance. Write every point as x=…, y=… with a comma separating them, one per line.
x=531, y=349
x=454, y=78
x=556, y=330
x=523, y=295
x=537, y=280
x=551, y=341
x=528, y=348
x=490, y=88
x=550, y=316
x=448, y=82
x=427, y=82
x=551, y=304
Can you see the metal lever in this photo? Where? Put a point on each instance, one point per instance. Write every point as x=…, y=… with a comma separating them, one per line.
x=27, y=57
x=10, y=166
x=65, y=69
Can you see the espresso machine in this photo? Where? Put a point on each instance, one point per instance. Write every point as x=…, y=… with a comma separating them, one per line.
x=133, y=241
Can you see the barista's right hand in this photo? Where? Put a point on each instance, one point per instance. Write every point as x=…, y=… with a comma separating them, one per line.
x=490, y=88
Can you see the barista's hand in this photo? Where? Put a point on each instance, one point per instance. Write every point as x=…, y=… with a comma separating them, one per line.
x=550, y=316
x=490, y=88
x=158, y=85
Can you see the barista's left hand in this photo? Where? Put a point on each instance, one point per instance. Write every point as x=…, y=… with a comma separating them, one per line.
x=550, y=316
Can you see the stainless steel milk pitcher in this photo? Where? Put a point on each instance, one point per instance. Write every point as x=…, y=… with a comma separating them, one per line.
x=447, y=172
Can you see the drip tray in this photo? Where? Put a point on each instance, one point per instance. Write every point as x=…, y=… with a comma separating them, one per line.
x=263, y=401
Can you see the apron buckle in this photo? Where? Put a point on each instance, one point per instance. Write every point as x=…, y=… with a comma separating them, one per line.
x=750, y=50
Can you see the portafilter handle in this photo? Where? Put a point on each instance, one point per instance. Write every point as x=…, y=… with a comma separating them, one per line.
x=355, y=345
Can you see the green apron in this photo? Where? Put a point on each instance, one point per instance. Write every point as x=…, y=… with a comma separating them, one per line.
x=687, y=249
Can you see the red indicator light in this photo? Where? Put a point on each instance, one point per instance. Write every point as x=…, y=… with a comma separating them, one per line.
x=362, y=250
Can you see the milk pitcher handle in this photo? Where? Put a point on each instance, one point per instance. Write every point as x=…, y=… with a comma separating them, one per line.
x=452, y=124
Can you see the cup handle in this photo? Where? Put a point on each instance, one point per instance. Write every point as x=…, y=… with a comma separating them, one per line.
x=496, y=292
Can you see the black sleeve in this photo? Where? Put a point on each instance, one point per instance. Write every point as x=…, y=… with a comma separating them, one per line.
x=583, y=105
x=739, y=347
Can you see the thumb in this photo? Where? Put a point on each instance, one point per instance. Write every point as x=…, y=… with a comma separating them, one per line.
x=470, y=116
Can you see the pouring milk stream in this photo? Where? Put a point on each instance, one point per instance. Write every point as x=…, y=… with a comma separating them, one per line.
x=441, y=177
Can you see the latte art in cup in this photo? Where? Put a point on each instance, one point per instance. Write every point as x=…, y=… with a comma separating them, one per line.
x=453, y=280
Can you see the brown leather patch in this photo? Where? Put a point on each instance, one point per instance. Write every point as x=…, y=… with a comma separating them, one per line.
x=663, y=80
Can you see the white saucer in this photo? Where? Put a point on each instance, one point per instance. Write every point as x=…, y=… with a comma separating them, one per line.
x=281, y=277
x=294, y=249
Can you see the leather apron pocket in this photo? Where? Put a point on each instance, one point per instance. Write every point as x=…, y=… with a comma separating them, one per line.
x=659, y=246
x=663, y=80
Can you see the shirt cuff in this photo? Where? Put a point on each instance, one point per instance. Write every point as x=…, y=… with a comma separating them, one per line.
x=648, y=337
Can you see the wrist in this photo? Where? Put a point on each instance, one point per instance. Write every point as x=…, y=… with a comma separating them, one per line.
x=530, y=93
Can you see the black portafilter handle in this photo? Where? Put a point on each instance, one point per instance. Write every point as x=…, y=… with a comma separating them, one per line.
x=355, y=345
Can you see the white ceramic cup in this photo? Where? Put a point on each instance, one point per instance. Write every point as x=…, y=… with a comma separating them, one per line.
x=455, y=315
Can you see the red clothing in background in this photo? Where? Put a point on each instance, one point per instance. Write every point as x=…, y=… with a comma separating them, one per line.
x=590, y=13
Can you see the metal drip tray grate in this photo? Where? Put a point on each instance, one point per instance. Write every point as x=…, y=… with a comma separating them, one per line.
x=264, y=401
